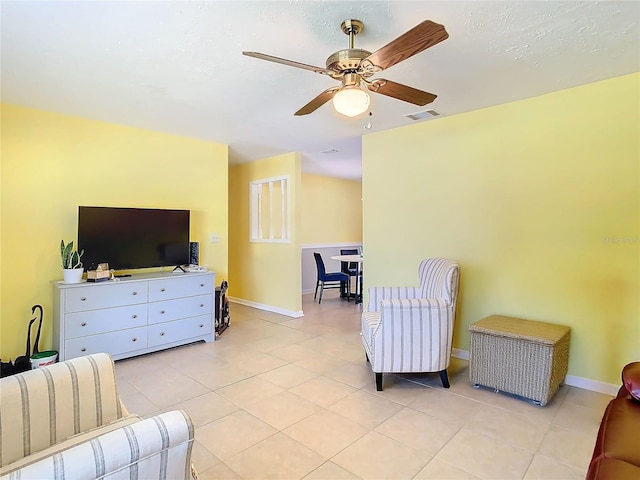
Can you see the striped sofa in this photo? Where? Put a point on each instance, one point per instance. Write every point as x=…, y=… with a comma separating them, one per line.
x=410, y=329
x=67, y=421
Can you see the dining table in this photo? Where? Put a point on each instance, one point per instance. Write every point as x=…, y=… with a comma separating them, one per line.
x=357, y=259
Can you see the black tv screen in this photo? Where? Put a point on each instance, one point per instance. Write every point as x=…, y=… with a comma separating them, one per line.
x=132, y=238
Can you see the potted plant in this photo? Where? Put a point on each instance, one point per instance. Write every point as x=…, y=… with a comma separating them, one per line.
x=71, y=264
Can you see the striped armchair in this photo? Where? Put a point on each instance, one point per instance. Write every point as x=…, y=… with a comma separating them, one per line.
x=66, y=421
x=410, y=329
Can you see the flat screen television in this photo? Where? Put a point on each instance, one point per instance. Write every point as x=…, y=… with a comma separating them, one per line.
x=133, y=238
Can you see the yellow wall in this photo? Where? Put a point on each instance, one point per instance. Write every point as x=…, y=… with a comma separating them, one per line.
x=52, y=163
x=332, y=210
x=539, y=202
x=264, y=273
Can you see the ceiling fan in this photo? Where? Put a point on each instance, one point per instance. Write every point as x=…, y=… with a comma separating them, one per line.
x=353, y=67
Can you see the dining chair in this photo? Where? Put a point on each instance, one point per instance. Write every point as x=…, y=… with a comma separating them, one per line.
x=353, y=269
x=328, y=280
x=410, y=329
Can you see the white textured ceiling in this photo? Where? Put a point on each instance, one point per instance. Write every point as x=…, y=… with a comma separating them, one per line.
x=177, y=66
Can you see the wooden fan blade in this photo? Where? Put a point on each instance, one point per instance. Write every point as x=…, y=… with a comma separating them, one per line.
x=284, y=61
x=401, y=92
x=317, y=102
x=419, y=38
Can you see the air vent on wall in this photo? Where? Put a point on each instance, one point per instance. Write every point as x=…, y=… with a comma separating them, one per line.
x=422, y=115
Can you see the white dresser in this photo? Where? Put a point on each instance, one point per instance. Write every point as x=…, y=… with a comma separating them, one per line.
x=134, y=315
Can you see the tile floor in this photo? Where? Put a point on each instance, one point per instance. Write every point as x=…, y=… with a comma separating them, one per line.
x=278, y=397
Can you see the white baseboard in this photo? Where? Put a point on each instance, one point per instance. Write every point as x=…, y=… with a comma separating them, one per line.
x=268, y=308
x=461, y=354
x=330, y=245
x=571, y=380
x=593, y=385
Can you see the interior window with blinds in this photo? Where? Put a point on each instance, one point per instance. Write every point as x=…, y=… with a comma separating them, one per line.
x=269, y=215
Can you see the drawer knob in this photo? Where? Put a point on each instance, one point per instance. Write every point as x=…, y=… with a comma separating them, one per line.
x=162, y=289
x=134, y=339
x=135, y=316
x=83, y=349
x=202, y=325
x=162, y=334
x=161, y=312
x=202, y=284
x=134, y=293
x=83, y=324
x=201, y=305
x=83, y=299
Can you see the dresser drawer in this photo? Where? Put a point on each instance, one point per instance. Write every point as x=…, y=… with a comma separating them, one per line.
x=180, y=308
x=113, y=343
x=176, y=287
x=92, y=297
x=81, y=324
x=170, y=332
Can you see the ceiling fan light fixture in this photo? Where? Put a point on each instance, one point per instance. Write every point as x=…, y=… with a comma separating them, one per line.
x=351, y=101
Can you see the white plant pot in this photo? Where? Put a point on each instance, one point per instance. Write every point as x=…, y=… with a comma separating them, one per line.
x=72, y=275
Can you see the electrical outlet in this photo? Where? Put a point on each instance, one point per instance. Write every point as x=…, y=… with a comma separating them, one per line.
x=214, y=238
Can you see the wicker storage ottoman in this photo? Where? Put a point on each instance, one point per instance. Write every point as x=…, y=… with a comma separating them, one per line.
x=521, y=357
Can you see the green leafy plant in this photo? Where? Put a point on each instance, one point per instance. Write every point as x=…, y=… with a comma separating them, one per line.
x=70, y=257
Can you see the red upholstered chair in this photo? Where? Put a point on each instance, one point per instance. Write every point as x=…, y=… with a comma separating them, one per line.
x=616, y=455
